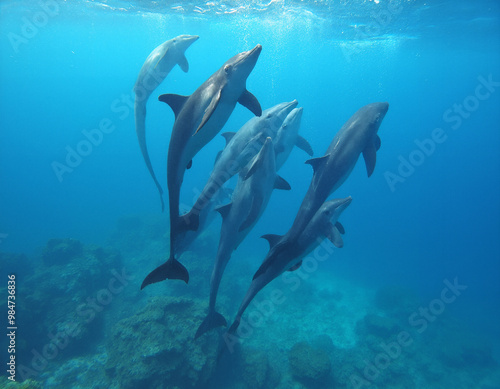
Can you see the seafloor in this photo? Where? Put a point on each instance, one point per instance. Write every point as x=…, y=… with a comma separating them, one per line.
x=84, y=323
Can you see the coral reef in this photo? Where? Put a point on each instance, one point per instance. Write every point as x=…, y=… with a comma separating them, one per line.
x=156, y=348
x=309, y=365
x=61, y=251
x=65, y=297
x=28, y=384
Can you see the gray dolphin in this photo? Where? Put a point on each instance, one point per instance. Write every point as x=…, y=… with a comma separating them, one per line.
x=154, y=70
x=198, y=118
x=249, y=201
x=240, y=148
x=357, y=136
x=323, y=224
x=288, y=137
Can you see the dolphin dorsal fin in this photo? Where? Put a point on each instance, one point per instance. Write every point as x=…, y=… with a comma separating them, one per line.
x=183, y=63
x=317, y=163
x=272, y=239
x=378, y=142
x=249, y=101
x=224, y=210
x=176, y=102
x=296, y=266
x=333, y=234
x=370, y=156
x=280, y=183
x=228, y=136
x=210, y=110
x=303, y=144
x=340, y=227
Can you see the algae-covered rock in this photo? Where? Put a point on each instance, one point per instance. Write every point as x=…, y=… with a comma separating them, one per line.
x=28, y=384
x=396, y=301
x=80, y=373
x=308, y=364
x=61, y=251
x=67, y=300
x=257, y=372
x=155, y=348
x=377, y=326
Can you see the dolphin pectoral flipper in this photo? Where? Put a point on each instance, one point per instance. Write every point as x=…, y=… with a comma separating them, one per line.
x=160, y=58
x=171, y=269
x=183, y=63
x=370, y=156
x=281, y=183
x=333, y=234
x=210, y=110
x=211, y=321
x=340, y=227
x=176, y=102
x=317, y=163
x=224, y=209
x=303, y=144
x=254, y=213
x=296, y=266
x=249, y=101
x=378, y=142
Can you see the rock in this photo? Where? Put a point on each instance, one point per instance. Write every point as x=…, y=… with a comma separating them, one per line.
x=396, y=301
x=257, y=372
x=61, y=251
x=309, y=365
x=28, y=384
x=66, y=300
x=378, y=326
x=155, y=348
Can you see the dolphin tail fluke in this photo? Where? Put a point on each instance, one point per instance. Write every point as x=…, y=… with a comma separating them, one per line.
x=213, y=320
x=140, y=128
x=172, y=269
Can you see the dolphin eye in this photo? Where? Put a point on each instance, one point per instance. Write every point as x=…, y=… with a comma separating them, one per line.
x=227, y=69
x=175, y=40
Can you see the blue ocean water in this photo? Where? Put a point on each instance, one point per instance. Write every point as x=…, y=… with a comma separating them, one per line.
x=429, y=213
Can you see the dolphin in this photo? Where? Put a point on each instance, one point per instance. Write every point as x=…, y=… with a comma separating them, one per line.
x=323, y=224
x=240, y=148
x=288, y=136
x=249, y=201
x=357, y=136
x=154, y=70
x=207, y=216
x=198, y=118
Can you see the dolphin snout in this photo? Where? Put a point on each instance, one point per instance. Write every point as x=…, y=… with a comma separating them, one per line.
x=256, y=49
x=292, y=104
